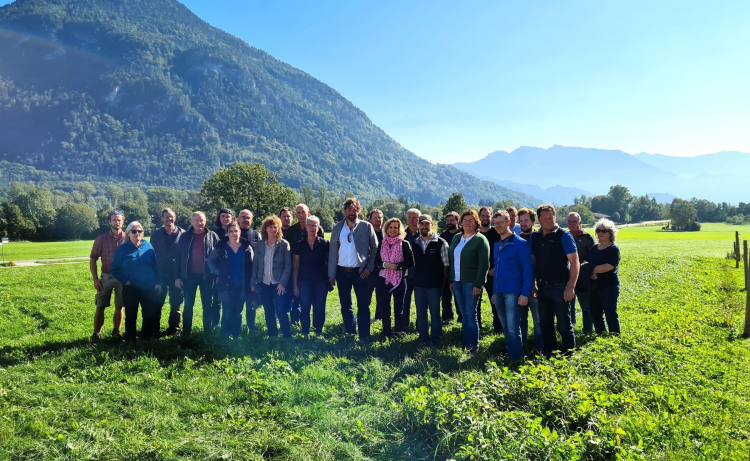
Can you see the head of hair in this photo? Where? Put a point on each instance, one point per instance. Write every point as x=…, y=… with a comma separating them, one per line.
x=218, y=217
x=132, y=225
x=413, y=211
x=117, y=212
x=573, y=213
x=528, y=211
x=270, y=220
x=502, y=213
x=605, y=223
x=401, y=230
x=250, y=212
x=199, y=213
x=168, y=210
x=303, y=206
x=454, y=214
x=474, y=215
x=546, y=207
x=314, y=219
x=286, y=208
x=375, y=210
x=352, y=202
x=233, y=224
x=512, y=209
x=488, y=209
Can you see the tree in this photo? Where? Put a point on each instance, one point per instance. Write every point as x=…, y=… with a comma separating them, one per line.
x=74, y=220
x=157, y=195
x=645, y=209
x=86, y=189
x=115, y=193
x=36, y=206
x=16, y=226
x=136, y=211
x=683, y=215
x=247, y=185
x=308, y=196
x=455, y=203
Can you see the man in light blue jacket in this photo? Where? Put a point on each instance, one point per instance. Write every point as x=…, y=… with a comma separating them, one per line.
x=514, y=280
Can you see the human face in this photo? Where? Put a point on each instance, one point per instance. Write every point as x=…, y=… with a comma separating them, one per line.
x=512, y=218
x=425, y=229
x=469, y=224
x=547, y=220
x=484, y=217
x=500, y=224
x=302, y=213
x=527, y=225
x=351, y=213
x=234, y=234
x=245, y=219
x=199, y=222
x=412, y=220
x=603, y=235
x=272, y=230
x=286, y=219
x=377, y=221
x=136, y=235
x=312, y=229
x=393, y=229
x=168, y=219
x=574, y=224
x=115, y=221
x=451, y=223
x=225, y=219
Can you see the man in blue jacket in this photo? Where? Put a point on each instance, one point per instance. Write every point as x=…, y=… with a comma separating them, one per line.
x=513, y=282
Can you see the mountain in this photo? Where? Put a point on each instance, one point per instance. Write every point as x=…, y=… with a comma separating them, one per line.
x=557, y=195
x=145, y=91
x=596, y=170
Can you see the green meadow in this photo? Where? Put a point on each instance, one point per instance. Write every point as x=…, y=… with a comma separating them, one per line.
x=674, y=386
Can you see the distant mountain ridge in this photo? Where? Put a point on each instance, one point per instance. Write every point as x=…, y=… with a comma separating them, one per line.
x=144, y=90
x=722, y=176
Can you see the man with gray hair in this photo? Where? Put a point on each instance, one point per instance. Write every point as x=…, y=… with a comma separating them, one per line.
x=412, y=234
x=584, y=243
x=294, y=234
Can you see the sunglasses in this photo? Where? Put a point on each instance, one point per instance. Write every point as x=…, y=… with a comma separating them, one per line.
x=115, y=212
x=602, y=231
x=136, y=231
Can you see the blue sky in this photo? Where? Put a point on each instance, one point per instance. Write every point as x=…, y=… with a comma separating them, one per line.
x=456, y=80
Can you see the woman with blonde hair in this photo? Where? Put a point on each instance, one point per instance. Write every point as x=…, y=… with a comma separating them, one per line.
x=272, y=268
x=393, y=258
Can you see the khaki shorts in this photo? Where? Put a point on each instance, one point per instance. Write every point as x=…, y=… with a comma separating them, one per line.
x=104, y=297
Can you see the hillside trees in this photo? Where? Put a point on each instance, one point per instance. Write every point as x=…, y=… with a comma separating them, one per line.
x=683, y=214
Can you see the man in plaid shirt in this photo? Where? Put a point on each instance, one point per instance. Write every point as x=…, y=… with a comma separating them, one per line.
x=104, y=249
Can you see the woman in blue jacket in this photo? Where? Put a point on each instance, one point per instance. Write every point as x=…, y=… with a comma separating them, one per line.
x=134, y=265
x=514, y=280
x=232, y=262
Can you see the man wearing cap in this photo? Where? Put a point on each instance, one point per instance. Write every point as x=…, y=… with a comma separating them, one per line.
x=104, y=249
x=431, y=264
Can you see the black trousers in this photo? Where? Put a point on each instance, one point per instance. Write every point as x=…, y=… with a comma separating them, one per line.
x=150, y=302
x=383, y=295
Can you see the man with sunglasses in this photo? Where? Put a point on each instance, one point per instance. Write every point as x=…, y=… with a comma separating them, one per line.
x=104, y=249
x=351, y=259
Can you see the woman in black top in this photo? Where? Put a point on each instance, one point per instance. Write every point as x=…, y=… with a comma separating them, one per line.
x=605, y=280
x=310, y=277
x=394, y=257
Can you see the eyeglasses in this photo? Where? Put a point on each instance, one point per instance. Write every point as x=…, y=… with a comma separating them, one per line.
x=349, y=238
x=115, y=212
x=602, y=231
x=136, y=231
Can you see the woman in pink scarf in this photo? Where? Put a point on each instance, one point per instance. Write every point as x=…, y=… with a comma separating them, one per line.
x=394, y=257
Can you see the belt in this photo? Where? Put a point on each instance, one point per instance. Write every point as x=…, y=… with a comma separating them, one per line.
x=348, y=269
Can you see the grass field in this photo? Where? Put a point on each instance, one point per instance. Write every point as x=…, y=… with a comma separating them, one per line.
x=673, y=387
x=25, y=251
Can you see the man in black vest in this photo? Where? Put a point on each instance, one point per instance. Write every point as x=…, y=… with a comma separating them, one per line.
x=555, y=260
x=451, y=230
x=584, y=242
x=430, y=272
x=412, y=234
x=376, y=219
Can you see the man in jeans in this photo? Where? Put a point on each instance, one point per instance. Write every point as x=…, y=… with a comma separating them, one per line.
x=351, y=259
x=192, y=272
x=163, y=241
x=104, y=249
x=584, y=242
x=555, y=260
x=431, y=264
x=451, y=230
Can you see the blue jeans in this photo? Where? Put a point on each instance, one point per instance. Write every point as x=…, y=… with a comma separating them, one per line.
x=468, y=304
x=232, y=301
x=190, y=287
x=583, y=298
x=348, y=280
x=534, y=308
x=604, y=303
x=313, y=295
x=552, y=305
x=509, y=312
x=275, y=305
x=428, y=299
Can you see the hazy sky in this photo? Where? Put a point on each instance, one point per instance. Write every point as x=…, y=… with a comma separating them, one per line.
x=456, y=80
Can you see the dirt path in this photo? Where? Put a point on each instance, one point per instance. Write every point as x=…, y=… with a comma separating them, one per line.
x=46, y=262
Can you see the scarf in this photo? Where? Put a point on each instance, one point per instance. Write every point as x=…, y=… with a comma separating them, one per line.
x=391, y=252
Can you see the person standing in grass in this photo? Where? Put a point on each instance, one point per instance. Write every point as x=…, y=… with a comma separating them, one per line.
x=191, y=270
x=310, y=276
x=605, y=278
x=486, y=229
x=351, y=259
x=431, y=264
x=449, y=299
x=556, y=269
x=225, y=217
x=232, y=263
x=104, y=249
x=470, y=261
x=272, y=269
x=164, y=243
x=393, y=259
x=527, y=220
x=513, y=282
x=515, y=227
x=294, y=234
x=412, y=234
x=376, y=219
x=584, y=242
x=135, y=266
x=251, y=237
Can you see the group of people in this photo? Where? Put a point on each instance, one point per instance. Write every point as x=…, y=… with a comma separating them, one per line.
x=289, y=269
